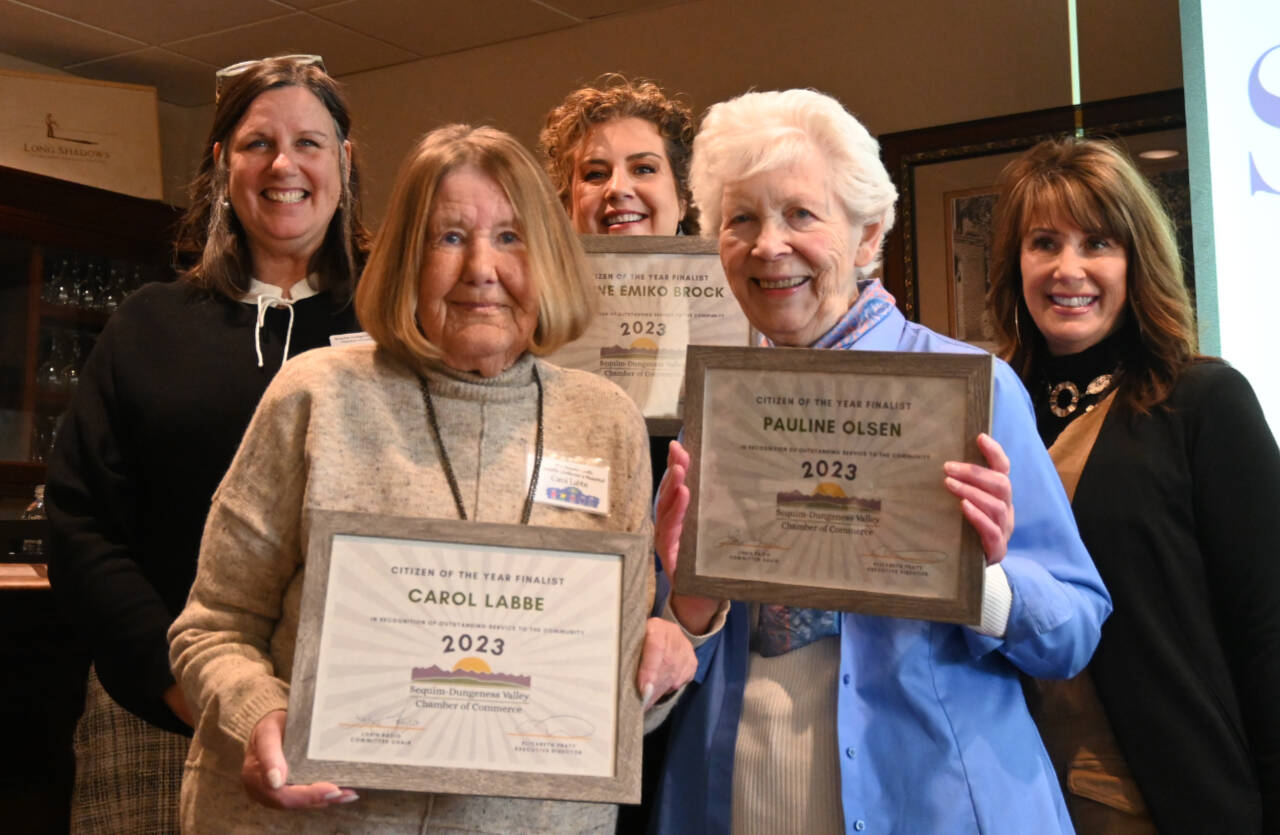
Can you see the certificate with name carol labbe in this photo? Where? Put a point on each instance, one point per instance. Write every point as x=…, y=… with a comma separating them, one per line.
x=468, y=658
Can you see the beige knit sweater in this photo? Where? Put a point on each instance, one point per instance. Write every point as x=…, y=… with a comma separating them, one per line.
x=346, y=429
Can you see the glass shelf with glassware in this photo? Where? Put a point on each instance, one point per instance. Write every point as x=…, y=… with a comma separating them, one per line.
x=69, y=257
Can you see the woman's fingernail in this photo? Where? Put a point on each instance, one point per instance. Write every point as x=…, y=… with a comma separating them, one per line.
x=349, y=798
x=274, y=778
x=647, y=695
x=333, y=795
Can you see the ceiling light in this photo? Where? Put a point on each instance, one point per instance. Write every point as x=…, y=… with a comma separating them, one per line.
x=1159, y=153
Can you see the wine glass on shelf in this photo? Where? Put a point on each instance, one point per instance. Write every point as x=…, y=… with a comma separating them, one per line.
x=49, y=371
x=55, y=282
x=91, y=287
x=70, y=296
x=114, y=291
x=66, y=290
x=69, y=374
x=44, y=433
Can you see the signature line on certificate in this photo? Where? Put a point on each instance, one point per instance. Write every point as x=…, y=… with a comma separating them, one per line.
x=381, y=727
x=546, y=736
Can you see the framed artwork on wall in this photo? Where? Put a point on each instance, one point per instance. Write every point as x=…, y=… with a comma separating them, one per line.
x=967, y=236
x=942, y=170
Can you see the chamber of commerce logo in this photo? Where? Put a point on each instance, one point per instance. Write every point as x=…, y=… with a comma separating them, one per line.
x=471, y=671
x=827, y=496
x=640, y=349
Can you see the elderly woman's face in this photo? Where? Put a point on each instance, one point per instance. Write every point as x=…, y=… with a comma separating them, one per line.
x=285, y=176
x=623, y=183
x=476, y=299
x=789, y=251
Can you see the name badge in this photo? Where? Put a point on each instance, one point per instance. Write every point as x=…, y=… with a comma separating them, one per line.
x=573, y=483
x=350, y=338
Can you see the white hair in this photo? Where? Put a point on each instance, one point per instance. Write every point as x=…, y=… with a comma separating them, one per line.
x=759, y=132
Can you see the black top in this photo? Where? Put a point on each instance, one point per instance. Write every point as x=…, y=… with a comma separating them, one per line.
x=1175, y=508
x=158, y=414
x=1080, y=370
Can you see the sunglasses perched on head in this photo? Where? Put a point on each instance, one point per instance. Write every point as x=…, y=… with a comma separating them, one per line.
x=224, y=76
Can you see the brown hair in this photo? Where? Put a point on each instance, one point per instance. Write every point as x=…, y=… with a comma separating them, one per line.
x=1095, y=185
x=387, y=298
x=615, y=97
x=210, y=248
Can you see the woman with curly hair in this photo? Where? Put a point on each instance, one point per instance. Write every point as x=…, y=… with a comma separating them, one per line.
x=618, y=154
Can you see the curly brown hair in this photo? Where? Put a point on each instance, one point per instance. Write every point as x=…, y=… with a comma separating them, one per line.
x=210, y=250
x=614, y=96
x=1097, y=187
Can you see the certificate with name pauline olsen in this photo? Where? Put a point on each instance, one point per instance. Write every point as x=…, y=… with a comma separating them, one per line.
x=462, y=657
x=816, y=479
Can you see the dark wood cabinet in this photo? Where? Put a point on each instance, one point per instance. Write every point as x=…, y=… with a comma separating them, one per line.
x=68, y=256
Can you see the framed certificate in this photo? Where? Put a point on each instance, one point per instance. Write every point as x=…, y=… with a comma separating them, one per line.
x=469, y=658
x=817, y=481
x=658, y=295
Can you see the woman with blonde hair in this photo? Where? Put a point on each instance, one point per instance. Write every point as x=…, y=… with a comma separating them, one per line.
x=449, y=414
x=1172, y=470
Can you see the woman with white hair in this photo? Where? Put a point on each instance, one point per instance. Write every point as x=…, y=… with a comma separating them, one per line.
x=810, y=721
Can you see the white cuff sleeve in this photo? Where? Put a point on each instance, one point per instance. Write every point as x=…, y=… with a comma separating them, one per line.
x=997, y=598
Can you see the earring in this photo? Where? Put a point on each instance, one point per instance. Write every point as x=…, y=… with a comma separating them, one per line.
x=1017, y=327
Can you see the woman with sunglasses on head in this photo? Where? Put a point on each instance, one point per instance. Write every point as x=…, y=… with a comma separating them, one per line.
x=269, y=252
x=1173, y=474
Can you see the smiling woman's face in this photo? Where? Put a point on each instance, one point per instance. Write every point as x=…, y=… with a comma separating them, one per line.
x=285, y=178
x=789, y=251
x=623, y=183
x=476, y=299
x=1074, y=283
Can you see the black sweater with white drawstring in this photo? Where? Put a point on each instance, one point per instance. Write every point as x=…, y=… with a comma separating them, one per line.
x=158, y=414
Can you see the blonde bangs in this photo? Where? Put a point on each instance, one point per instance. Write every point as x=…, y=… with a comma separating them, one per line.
x=387, y=296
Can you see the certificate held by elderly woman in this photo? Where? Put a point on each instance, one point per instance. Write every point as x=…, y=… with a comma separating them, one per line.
x=469, y=658
x=817, y=479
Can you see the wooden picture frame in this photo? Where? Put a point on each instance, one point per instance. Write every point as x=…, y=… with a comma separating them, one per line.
x=816, y=479
x=544, y=703
x=905, y=153
x=658, y=295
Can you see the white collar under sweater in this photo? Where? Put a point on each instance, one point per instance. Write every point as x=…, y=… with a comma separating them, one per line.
x=266, y=296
